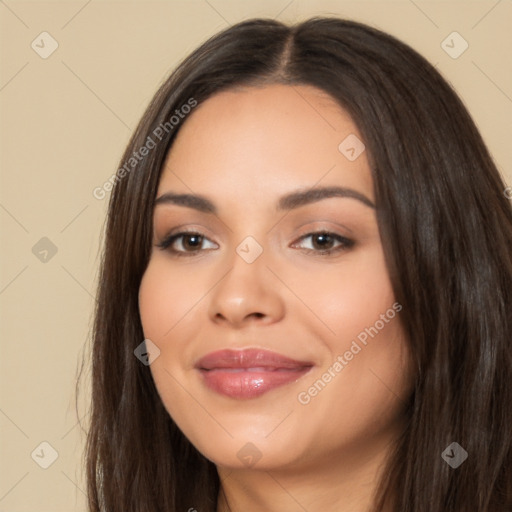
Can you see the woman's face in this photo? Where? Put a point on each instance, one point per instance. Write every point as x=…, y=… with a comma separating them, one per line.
x=255, y=276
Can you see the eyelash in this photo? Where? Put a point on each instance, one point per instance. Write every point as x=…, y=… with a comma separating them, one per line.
x=346, y=243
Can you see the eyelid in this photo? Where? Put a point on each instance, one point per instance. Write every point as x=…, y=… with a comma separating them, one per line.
x=320, y=225
x=187, y=229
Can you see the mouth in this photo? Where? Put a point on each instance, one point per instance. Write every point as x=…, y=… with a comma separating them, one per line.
x=245, y=374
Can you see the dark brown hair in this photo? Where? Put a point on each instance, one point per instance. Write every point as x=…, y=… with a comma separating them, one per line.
x=446, y=228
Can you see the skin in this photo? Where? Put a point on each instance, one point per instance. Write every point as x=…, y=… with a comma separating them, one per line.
x=244, y=149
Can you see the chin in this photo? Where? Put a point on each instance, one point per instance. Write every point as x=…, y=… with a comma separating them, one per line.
x=250, y=452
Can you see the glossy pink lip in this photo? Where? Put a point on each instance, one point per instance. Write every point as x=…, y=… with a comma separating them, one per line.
x=249, y=373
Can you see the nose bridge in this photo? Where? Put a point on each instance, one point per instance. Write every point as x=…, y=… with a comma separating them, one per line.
x=246, y=290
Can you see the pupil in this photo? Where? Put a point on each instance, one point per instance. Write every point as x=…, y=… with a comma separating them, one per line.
x=323, y=237
x=193, y=237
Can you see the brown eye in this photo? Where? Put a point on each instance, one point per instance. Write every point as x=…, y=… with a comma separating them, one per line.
x=323, y=242
x=191, y=241
x=182, y=243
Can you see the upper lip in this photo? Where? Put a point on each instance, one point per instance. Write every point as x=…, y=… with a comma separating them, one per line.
x=248, y=358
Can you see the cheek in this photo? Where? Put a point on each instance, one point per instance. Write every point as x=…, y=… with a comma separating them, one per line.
x=366, y=366
x=348, y=297
x=164, y=299
x=163, y=305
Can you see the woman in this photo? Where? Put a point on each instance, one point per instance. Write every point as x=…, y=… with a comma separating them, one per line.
x=306, y=288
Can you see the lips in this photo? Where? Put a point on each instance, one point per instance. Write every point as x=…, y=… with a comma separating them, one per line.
x=249, y=373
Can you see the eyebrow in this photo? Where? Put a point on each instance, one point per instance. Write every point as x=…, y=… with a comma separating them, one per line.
x=287, y=202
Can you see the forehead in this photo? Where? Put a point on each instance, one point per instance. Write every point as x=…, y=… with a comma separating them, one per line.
x=257, y=143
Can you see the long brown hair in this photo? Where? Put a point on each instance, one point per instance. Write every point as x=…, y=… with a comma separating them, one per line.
x=446, y=229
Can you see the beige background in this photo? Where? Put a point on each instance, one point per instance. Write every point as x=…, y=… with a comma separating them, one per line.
x=64, y=123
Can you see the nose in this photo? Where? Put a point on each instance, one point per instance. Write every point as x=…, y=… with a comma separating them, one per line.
x=247, y=293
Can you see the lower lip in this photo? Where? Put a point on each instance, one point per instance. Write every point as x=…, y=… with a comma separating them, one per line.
x=249, y=384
